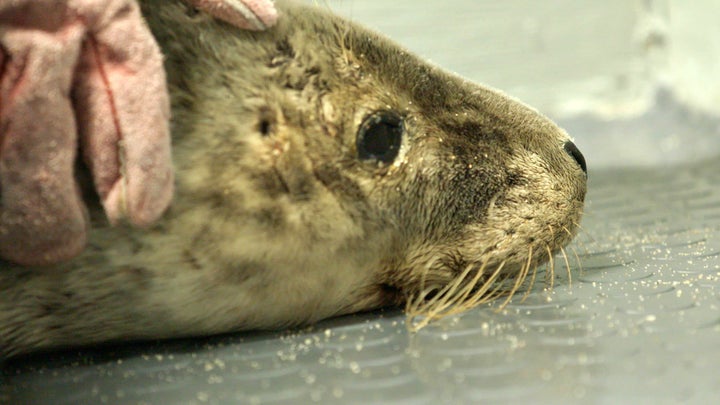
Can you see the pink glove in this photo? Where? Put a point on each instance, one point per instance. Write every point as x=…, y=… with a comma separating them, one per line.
x=88, y=74
x=246, y=14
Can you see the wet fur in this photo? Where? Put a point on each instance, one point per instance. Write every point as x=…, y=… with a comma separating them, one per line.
x=276, y=222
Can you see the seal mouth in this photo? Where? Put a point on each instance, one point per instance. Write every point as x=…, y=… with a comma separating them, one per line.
x=481, y=283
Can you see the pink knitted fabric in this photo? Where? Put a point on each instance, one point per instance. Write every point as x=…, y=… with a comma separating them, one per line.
x=247, y=14
x=84, y=75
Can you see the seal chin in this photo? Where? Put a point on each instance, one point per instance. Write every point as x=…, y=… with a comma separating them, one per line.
x=478, y=283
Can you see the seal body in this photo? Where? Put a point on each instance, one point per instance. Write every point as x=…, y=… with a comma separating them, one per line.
x=321, y=170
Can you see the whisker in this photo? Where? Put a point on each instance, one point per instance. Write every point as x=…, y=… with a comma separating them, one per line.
x=414, y=303
x=442, y=295
x=532, y=284
x=567, y=231
x=578, y=241
x=463, y=285
x=433, y=309
x=584, y=231
x=526, y=271
x=436, y=299
x=551, y=257
x=498, y=292
x=550, y=267
x=469, y=287
x=532, y=279
x=567, y=265
x=423, y=280
x=481, y=295
x=520, y=279
x=478, y=296
x=577, y=259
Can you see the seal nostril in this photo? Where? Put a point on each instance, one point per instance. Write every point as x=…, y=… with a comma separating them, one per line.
x=573, y=151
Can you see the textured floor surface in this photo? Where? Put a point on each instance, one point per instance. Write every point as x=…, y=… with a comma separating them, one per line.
x=638, y=323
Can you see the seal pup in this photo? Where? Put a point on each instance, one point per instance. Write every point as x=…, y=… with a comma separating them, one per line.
x=321, y=170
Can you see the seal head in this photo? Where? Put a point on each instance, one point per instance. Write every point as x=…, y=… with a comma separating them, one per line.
x=322, y=147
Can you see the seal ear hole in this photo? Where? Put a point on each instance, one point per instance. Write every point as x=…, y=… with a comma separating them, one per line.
x=264, y=127
x=380, y=136
x=194, y=14
x=266, y=122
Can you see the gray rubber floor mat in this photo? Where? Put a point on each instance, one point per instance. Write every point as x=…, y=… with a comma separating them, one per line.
x=639, y=322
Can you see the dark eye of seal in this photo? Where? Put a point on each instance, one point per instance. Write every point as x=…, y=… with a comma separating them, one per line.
x=380, y=136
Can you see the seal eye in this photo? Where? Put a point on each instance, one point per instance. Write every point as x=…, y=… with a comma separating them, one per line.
x=380, y=136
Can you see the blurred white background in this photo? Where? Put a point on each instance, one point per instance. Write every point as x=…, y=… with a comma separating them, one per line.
x=636, y=83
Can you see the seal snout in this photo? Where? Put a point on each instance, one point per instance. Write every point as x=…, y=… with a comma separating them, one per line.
x=574, y=152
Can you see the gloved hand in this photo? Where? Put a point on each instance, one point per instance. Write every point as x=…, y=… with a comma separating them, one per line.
x=85, y=75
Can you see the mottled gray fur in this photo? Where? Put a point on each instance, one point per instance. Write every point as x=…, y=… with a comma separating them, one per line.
x=276, y=221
